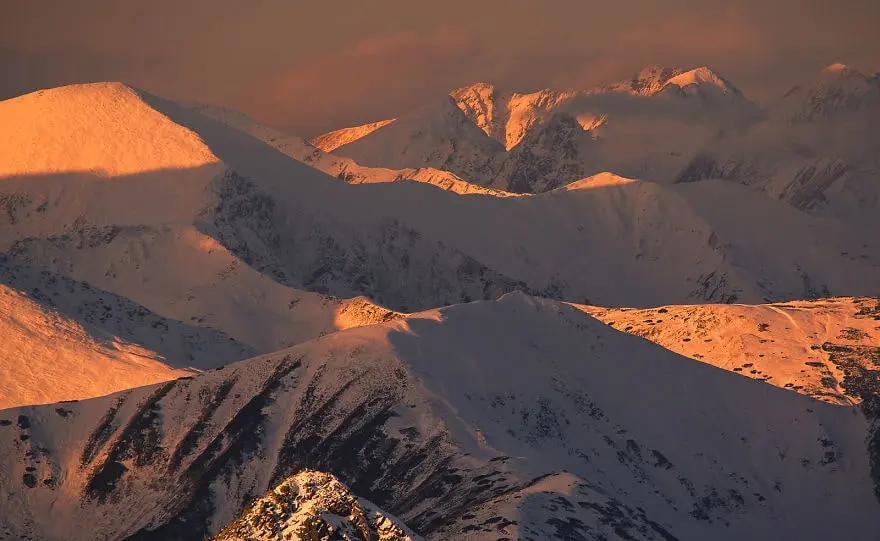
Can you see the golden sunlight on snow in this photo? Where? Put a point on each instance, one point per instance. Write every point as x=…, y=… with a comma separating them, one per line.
x=48, y=132
x=335, y=139
x=360, y=311
x=791, y=345
x=48, y=358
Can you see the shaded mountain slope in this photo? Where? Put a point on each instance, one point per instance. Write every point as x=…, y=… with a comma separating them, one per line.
x=460, y=415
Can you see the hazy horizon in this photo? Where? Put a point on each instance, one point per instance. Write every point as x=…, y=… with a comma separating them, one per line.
x=317, y=67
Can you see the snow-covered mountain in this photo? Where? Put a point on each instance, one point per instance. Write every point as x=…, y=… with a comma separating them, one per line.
x=837, y=91
x=252, y=219
x=342, y=168
x=816, y=150
x=314, y=505
x=66, y=340
x=329, y=142
x=142, y=240
x=506, y=116
x=813, y=347
x=646, y=127
x=519, y=418
x=701, y=82
x=437, y=135
x=550, y=155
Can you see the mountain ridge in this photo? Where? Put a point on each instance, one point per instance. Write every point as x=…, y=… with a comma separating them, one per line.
x=263, y=419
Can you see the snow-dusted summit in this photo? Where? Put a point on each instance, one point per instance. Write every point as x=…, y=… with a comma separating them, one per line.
x=314, y=505
x=837, y=91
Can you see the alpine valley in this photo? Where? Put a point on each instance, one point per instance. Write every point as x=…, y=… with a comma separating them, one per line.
x=644, y=311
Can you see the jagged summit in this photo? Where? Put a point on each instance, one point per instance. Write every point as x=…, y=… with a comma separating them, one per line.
x=650, y=80
x=484, y=105
x=550, y=154
x=654, y=80
x=480, y=87
x=507, y=116
x=314, y=505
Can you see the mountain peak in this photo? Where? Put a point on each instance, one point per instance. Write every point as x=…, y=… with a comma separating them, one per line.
x=438, y=134
x=690, y=81
x=837, y=67
x=481, y=88
x=94, y=127
x=836, y=90
x=841, y=72
x=315, y=505
x=651, y=79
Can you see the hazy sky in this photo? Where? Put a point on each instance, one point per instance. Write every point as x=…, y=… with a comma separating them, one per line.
x=319, y=65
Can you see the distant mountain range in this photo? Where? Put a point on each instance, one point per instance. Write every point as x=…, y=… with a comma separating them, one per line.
x=813, y=148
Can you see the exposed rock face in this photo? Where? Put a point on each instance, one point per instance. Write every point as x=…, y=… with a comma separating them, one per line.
x=551, y=155
x=311, y=506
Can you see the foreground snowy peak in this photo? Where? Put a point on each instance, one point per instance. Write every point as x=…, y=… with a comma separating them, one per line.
x=519, y=418
x=314, y=505
x=837, y=91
